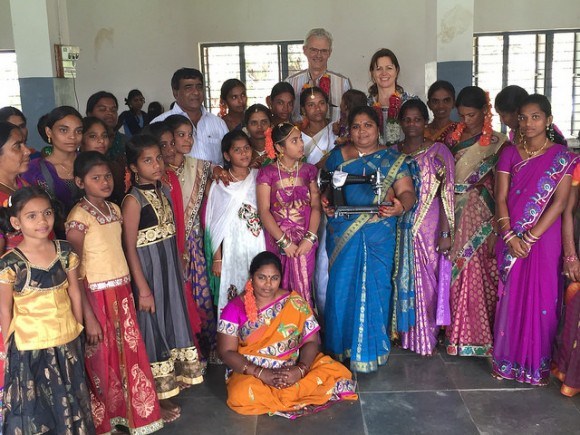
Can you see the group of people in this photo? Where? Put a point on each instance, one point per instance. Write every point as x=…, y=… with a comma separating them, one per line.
x=208, y=239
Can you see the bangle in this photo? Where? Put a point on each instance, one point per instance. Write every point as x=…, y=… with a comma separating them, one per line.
x=303, y=367
x=302, y=373
x=260, y=373
x=217, y=261
x=508, y=234
x=503, y=219
x=444, y=234
x=311, y=237
x=512, y=237
x=534, y=238
x=529, y=239
x=570, y=258
x=147, y=296
x=284, y=241
x=245, y=369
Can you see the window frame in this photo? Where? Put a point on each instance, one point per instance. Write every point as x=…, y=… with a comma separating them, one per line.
x=283, y=64
x=574, y=119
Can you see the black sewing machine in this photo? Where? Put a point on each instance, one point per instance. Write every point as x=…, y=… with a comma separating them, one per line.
x=336, y=181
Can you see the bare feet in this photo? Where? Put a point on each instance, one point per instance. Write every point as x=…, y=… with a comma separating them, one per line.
x=169, y=411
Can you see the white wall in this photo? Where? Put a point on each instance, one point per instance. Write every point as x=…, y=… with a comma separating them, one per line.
x=139, y=44
x=514, y=15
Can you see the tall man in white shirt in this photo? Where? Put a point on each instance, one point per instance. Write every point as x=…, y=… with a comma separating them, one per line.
x=317, y=49
x=208, y=129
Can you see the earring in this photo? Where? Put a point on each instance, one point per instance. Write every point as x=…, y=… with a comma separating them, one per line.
x=550, y=132
x=137, y=180
x=49, y=140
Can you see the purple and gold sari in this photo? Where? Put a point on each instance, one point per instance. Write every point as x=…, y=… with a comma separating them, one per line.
x=431, y=289
x=529, y=288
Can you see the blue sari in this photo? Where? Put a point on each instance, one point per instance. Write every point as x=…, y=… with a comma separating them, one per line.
x=369, y=257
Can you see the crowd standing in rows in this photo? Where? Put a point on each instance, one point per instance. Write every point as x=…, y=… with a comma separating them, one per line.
x=198, y=239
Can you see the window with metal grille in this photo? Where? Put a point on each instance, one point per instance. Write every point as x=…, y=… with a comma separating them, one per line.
x=10, y=89
x=546, y=62
x=260, y=65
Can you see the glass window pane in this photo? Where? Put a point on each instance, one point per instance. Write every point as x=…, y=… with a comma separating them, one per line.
x=10, y=89
x=221, y=63
x=522, y=61
x=562, y=81
x=490, y=68
x=262, y=71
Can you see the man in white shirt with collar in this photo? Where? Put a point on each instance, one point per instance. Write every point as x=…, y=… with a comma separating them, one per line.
x=208, y=129
x=317, y=49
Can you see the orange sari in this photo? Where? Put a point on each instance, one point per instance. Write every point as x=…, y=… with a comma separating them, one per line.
x=274, y=341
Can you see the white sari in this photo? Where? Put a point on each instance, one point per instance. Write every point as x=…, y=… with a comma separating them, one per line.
x=232, y=221
x=316, y=147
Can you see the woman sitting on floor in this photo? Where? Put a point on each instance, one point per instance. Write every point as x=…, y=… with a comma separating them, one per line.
x=268, y=337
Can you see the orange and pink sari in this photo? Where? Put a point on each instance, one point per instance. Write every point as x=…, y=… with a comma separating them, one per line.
x=274, y=341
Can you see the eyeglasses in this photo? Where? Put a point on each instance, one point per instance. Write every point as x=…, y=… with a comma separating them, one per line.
x=314, y=51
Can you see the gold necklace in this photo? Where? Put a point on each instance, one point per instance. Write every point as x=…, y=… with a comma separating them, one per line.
x=533, y=153
x=292, y=178
x=237, y=179
x=11, y=189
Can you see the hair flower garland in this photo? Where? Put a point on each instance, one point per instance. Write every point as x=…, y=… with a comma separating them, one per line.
x=323, y=83
x=250, y=302
x=487, y=131
x=269, y=144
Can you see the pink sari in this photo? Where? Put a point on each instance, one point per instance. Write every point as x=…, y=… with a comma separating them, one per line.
x=431, y=293
x=530, y=288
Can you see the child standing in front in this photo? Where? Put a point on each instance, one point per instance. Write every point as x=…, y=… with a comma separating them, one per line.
x=118, y=371
x=45, y=388
x=157, y=278
x=289, y=208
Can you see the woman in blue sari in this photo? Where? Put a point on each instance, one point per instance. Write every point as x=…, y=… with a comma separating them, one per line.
x=370, y=256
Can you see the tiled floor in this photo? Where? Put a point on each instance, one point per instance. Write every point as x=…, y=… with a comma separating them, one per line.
x=410, y=395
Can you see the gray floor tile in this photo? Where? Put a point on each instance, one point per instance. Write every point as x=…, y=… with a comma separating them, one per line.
x=475, y=373
x=209, y=415
x=532, y=411
x=213, y=385
x=427, y=412
x=407, y=373
x=341, y=418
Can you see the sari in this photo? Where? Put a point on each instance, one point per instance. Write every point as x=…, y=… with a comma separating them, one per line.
x=193, y=176
x=370, y=258
x=432, y=270
x=441, y=134
x=566, y=365
x=290, y=207
x=474, y=275
x=232, y=222
x=274, y=341
x=529, y=288
x=318, y=146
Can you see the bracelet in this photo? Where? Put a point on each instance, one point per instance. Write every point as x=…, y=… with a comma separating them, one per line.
x=303, y=366
x=529, y=238
x=534, y=238
x=444, y=234
x=302, y=373
x=260, y=373
x=149, y=295
x=506, y=225
x=217, y=261
x=245, y=369
x=512, y=237
x=502, y=219
x=284, y=241
x=311, y=237
x=570, y=258
x=508, y=234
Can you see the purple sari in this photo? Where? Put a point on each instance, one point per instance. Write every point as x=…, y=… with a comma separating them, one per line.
x=290, y=207
x=437, y=167
x=529, y=288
